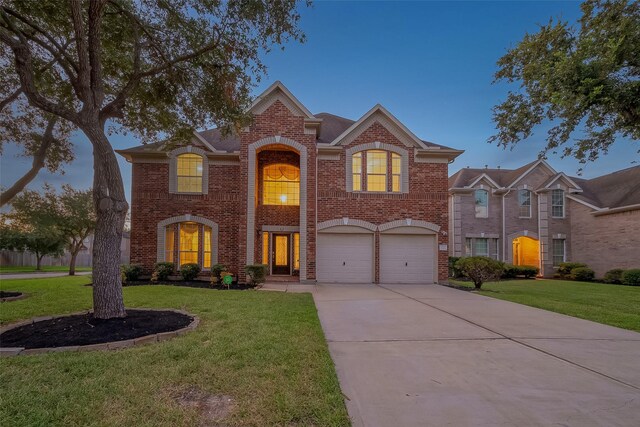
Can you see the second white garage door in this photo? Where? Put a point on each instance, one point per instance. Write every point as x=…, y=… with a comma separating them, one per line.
x=407, y=258
x=344, y=258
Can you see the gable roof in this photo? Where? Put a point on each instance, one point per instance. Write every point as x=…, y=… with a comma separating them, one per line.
x=278, y=91
x=614, y=190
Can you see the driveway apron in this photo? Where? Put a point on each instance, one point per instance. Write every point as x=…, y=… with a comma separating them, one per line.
x=427, y=355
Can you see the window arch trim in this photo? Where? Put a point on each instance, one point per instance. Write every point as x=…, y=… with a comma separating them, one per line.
x=377, y=145
x=162, y=225
x=173, y=168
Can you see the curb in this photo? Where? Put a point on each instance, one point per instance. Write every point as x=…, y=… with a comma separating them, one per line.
x=9, y=299
x=113, y=345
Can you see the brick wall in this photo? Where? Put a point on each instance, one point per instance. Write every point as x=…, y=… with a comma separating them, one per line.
x=426, y=200
x=604, y=242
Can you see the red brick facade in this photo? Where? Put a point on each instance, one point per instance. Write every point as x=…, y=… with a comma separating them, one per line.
x=228, y=185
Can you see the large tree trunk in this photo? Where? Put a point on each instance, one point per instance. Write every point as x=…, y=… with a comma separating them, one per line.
x=72, y=263
x=111, y=209
x=38, y=261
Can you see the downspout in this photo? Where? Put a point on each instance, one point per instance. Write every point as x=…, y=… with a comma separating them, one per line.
x=504, y=228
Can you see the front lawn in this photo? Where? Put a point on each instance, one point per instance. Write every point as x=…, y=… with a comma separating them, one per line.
x=609, y=304
x=264, y=349
x=11, y=269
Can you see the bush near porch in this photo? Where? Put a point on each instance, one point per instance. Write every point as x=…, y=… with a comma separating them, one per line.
x=264, y=349
x=609, y=304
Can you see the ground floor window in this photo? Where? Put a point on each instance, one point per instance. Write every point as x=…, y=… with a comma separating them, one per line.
x=558, y=252
x=481, y=246
x=187, y=243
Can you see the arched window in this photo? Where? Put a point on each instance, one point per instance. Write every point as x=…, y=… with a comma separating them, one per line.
x=378, y=176
x=524, y=204
x=188, y=242
x=189, y=173
x=482, y=203
x=281, y=185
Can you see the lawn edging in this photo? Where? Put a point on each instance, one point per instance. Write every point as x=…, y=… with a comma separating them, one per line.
x=113, y=345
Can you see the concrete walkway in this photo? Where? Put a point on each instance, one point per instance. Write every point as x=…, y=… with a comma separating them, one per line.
x=43, y=275
x=410, y=355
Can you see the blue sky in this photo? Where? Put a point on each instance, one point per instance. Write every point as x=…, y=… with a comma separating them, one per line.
x=430, y=63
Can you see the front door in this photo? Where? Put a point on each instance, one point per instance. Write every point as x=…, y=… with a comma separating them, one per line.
x=281, y=254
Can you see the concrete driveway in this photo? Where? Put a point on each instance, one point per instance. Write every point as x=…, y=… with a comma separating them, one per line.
x=410, y=355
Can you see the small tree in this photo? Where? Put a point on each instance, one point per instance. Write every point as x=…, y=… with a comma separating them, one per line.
x=480, y=269
x=41, y=242
x=70, y=214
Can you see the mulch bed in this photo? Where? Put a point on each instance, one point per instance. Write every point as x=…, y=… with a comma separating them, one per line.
x=9, y=294
x=193, y=284
x=84, y=329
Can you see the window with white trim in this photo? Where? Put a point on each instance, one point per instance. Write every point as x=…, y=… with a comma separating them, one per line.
x=482, y=203
x=524, y=204
x=189, y=173
x=481, y=246
x=557, y=203
x=370, y=171
x=558, y=252
x=188, y=242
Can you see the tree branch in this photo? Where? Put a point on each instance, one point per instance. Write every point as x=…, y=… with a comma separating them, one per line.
x=37, y=164
x=8, y=100
x=84, y=77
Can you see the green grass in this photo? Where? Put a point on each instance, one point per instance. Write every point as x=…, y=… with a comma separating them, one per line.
x=265, y=349
x=609, y=304
x=9, y=269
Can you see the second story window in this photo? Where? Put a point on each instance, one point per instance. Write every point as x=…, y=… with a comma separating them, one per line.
x=482, y=203
x=281, y=185
x=379, y=171
x=557, y=203
x=376, y=170
x=524, y=204
x=189, y=171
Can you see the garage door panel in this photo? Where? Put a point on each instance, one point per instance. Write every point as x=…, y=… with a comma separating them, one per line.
x=345, y=258
x=407, y=258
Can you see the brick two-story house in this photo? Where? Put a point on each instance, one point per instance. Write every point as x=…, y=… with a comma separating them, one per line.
x=537, y=216
x=318, y=197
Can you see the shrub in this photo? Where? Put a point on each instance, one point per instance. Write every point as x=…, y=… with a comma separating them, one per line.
x=564, y=269
x=631, y=277
x=257, y=273
x=130, y=272
x=528, y=271
x=216, y=272
x=480, y=269
x=582, y=274
x=163, y=270
x=510, y=271
x=454, y=272
x=189, y=271
x=613, y=276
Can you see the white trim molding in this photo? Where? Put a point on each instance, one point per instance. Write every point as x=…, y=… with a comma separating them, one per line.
x=377, y=145
x=346, y=222
x=162, y=225
x=252, y=194
x=408, y=222
x=173, y=168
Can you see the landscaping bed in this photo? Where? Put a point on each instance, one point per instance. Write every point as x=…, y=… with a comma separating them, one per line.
x=84, y=329
x=10, y=295
x=192, y=284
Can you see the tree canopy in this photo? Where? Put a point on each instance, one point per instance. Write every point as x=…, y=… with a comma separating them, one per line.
x=585, y=81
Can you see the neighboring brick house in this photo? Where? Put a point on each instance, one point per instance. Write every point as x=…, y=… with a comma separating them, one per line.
x=316, y=196
x=537, y=216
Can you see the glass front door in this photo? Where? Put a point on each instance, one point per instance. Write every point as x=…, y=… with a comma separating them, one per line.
x=281, y=256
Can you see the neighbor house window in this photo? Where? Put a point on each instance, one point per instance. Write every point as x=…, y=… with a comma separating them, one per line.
x=558, y=251
x=482, y=203
x=281, y=185
x=376, y=170
x=481, y=246
x=356, y=167
x=557, y=203
x=189, y=171
x=189, y=242
x=376, y=177
x=524, y=203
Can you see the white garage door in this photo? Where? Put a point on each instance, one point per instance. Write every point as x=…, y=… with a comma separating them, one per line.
x=344, y=258
x=407, y=258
